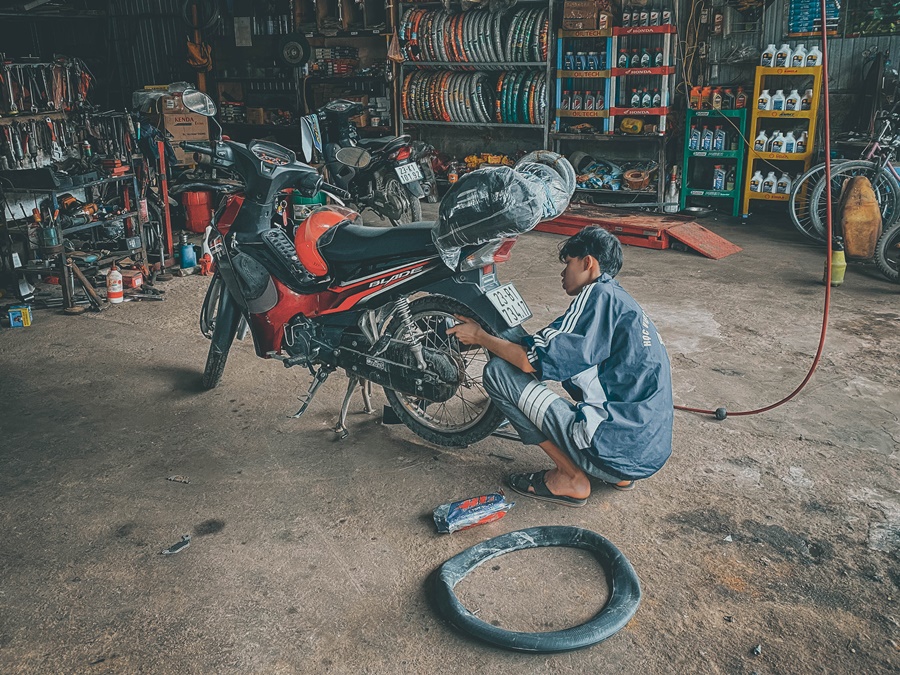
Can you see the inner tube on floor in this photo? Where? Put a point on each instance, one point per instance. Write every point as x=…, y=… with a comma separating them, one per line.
x=624, y=590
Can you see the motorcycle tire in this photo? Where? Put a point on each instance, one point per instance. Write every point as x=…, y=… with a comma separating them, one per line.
x=456, y=436
x=887, y=253
x=222, y=339
x=413, y=211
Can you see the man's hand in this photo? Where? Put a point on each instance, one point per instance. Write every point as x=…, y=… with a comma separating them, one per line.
x=467, y=331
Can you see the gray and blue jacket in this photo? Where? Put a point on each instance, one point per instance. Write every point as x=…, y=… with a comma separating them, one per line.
x=608, y=356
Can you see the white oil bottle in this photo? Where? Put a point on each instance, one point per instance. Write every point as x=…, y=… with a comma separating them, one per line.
x=802, y=142
x=764, y=100
x=783, y=56
x=793, y=100
x=814, y=57
x=756, y=182
x=806, y=100
x=778, y=142
x=767, y=59
x=783, y=186
x=778, y=100
x=761, y=142
x=769, y=182
x=798, y=58
x=790, y=143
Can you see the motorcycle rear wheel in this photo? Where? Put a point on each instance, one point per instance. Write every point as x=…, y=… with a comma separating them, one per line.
x=391, y=186
x=470, y=415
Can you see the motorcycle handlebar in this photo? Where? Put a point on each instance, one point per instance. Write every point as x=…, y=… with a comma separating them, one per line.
x=335, y=190
x=196, y=147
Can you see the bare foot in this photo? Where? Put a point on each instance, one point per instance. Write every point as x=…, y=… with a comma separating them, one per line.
x=560, y=484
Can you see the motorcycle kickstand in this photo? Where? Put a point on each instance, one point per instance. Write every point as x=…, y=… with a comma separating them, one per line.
x=367, y=397
x=320, y=376
x=341, y=427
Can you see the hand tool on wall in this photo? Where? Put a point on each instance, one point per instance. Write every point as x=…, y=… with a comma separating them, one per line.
x=7, y=75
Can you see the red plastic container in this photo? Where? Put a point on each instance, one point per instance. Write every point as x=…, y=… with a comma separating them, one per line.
x=198, y=210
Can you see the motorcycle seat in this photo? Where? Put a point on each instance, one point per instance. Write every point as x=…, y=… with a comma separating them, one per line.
x=374, y=143
x=358, y=244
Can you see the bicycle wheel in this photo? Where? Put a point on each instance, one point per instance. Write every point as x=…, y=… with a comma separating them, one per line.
x=886, y=187
x=887, y=253
x=800, y=199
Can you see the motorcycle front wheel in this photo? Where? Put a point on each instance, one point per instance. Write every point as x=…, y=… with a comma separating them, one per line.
x=470, y=415
x=224, y=323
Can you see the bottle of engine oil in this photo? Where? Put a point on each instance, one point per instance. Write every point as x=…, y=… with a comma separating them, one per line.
x=756, y=182
x=767, y=60
x=769, y=182
x=718, y=177
x=694, y=138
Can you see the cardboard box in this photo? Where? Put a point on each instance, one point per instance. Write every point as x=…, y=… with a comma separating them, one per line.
x=579, y=24
x=580, y=13
x=171, y=103
x=132, y=278
x=185, y=127
x=19, y=316
x=256, y=115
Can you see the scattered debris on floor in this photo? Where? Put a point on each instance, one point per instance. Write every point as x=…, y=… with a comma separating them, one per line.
x=181, y=545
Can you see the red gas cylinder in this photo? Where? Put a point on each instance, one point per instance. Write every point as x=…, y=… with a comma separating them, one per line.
x=198, y=210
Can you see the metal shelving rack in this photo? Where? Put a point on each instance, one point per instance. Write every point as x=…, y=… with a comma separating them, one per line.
x=566, y=79
x=408, y=66
x=666, y=73
x=764, y=118
x=693, y=158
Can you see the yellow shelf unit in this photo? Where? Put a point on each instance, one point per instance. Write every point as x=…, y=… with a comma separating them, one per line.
x=765, y=120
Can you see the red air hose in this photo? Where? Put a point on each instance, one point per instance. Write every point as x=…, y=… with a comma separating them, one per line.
x=722, y=413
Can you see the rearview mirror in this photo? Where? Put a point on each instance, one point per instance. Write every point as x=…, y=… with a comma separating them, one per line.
x=358, y=158
x=198, y=102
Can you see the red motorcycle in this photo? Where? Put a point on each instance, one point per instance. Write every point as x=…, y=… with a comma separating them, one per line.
x=335, y=294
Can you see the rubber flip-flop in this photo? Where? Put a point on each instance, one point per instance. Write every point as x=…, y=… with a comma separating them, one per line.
x=520, y=482
x=624, y=488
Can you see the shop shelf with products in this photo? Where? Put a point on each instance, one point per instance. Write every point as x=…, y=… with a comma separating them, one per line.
x=700, y=177
x=764, y=161
x=473, y=69
x=583, y=72
x=643, y=74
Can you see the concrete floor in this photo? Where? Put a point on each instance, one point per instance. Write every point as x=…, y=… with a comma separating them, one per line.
x=310, y=555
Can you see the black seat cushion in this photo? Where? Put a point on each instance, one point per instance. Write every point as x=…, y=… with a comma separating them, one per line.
x=358, y=243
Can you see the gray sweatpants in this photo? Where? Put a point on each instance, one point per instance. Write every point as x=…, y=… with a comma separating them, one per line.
x=537, y=413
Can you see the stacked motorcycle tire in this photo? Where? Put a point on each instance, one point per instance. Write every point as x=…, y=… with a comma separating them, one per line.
x=477, y=67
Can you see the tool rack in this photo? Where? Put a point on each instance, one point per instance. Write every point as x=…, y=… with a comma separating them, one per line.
x=130, y=216
x=472, y=42
x=696, y=163
x=795, y=163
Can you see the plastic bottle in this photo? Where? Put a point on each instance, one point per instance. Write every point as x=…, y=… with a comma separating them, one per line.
x=756, y=182
x=761, y=142
x=783, y=56
x=646, y=99
x=792, y=102
x=733, y=141
x=666, y=16
x=635, y=99
x=593, y=61
x=806, y=100
x=764, y=100
x=695, y=98
x=768, y=184
x=115, y=292
x=569, y=61
x=778, y=100
x=768, y=56
x=694, y=138
x=644, y=17
x=728, y=100
x=187, y=254
x=581, y=61
x=657, y=98
x=577, y=101
x=589, y=100
x=706, y=138
x=719, y=139
x=654, y=16
x=635, y=59
x=740, y=99
x=565, y=101
x=626, y=16
x=814, y=57
x=670, y=203
x=790, y=143
x=623, y=58
x=659, y=58
x=838, y=263
x=798, y=58
x=784, y=184
x=718, y=177
x=802, y=142
x=717, y=99
x=706, y=98
x=778, y=142
x=645, y=58
x=730, y=180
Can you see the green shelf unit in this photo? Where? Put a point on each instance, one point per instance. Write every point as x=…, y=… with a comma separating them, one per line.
x=704, y=160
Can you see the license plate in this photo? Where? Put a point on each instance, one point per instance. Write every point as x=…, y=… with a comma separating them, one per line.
x=510, y=304
x=407, y=173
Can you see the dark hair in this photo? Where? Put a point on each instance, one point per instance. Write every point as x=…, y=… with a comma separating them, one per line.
x=597, y=243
